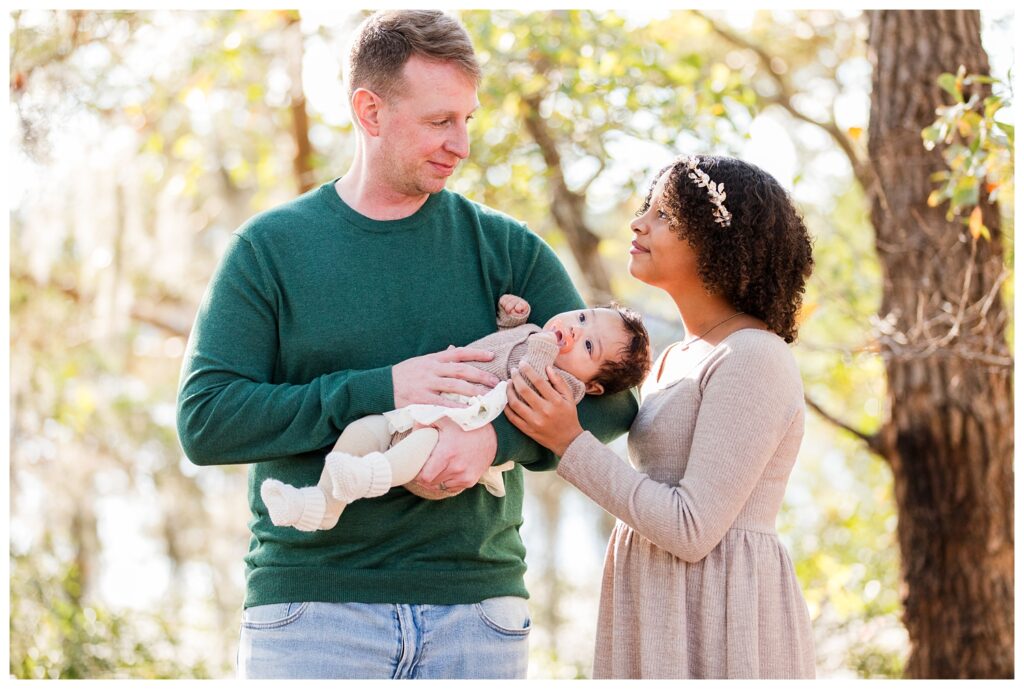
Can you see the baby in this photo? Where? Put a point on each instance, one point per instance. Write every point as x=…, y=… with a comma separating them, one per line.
x=596, y=351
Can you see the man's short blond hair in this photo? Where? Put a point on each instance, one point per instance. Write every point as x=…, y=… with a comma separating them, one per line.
x=386, y=40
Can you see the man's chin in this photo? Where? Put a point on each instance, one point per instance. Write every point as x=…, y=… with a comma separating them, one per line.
x=432, y=185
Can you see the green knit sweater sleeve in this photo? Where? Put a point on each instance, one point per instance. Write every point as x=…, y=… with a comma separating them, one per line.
x=231, y=410
x=540, y=279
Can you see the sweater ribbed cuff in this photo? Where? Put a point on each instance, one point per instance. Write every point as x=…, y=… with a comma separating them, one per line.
x=354, y=394
x=540, y=351
x=512, y=320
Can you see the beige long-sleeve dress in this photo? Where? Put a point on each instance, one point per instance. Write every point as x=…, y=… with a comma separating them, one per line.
x=696, y=583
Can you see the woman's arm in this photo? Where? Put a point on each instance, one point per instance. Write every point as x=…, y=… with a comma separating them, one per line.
x=747, y=407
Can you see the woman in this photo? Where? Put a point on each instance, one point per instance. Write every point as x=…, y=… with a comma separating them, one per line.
x=696, y=583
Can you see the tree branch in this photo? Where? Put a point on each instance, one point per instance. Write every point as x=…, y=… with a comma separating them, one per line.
x=137, y=314
x=873, y=441
x=861, y=169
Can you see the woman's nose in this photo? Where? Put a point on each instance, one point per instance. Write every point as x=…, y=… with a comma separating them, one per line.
x=635, y=226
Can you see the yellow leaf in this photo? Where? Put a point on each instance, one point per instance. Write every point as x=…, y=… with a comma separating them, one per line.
x=934, y=198
x=975, y=224
x=855, y=133
x=805, y=312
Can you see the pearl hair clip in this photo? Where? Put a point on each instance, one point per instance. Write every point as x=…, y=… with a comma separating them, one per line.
x=716, y=193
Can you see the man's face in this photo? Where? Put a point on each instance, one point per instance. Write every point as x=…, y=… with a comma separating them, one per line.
x=423, y=132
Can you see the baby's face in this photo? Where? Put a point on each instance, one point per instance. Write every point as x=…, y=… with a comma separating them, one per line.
x=586, y=339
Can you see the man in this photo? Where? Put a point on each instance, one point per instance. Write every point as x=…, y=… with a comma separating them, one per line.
x=321, y=312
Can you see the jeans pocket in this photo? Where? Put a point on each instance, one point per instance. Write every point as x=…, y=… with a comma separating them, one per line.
x=506, y=614
x=272, y=615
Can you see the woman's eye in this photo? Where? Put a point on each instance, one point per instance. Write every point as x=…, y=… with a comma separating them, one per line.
x=663, y=215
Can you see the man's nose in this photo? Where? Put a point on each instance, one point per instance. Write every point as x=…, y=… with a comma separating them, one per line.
x=458, y=143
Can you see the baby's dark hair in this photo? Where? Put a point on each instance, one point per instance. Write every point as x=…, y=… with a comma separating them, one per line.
x=634, y=361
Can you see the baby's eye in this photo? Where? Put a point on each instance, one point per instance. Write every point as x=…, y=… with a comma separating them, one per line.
x=583, y=318
x=590, y=347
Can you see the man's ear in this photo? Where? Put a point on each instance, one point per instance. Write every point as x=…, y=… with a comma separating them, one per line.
x=594, y=388
x=366, y=106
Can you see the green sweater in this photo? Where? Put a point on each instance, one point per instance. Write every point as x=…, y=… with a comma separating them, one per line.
x=308, y=310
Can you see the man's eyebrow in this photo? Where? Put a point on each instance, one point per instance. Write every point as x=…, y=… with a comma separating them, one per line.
x=445, y=114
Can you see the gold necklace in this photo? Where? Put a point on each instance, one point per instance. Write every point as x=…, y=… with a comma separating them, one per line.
x=683, y=346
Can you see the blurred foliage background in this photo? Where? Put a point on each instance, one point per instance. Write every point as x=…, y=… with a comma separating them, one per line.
x=141, y=140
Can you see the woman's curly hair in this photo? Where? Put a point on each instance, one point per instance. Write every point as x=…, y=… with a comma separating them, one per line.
x=762, y=259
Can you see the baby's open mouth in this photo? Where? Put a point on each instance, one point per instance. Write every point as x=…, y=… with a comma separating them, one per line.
x=563, y=339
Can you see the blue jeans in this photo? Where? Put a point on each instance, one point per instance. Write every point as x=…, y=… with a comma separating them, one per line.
x=486, y=640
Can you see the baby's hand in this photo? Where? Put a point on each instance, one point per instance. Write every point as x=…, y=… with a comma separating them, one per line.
x=547, y=335
x=513, y=305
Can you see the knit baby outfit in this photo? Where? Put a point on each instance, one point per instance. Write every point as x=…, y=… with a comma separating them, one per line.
x=361, y=462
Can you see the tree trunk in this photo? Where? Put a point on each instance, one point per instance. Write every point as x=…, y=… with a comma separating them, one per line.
x=302, y=162
x=567, y=207
x=949, y=437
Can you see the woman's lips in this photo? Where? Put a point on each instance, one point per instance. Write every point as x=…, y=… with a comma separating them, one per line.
x=637, y=249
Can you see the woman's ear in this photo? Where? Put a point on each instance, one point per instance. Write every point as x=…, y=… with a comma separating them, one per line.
x=366, y=107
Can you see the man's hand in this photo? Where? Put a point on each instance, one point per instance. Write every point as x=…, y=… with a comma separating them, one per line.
x=513, y=305
x=459, y=459
x=422, y=379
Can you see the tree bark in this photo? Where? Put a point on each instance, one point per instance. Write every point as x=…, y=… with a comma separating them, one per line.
x=567, y=206
x=949, y=436
x=302, y=162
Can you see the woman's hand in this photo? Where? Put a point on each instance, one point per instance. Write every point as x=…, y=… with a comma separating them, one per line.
x=548, y=414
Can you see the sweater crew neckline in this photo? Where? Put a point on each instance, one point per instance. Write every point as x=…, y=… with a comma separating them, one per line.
x=353, y=217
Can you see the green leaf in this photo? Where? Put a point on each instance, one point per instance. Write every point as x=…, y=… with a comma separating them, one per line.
x=950, y=85
x=965, y=193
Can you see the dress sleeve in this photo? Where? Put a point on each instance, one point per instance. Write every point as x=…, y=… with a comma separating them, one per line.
x=749, y=402
x=230, y=409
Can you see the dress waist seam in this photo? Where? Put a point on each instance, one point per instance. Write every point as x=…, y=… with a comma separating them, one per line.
x=770, y=532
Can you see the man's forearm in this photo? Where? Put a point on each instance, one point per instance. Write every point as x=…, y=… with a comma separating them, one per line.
x=240, y=421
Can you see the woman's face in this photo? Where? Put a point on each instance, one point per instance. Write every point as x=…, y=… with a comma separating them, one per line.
x=658, y=256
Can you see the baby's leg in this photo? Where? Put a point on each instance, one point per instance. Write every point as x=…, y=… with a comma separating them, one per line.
x=365, y=435
x=307, y=509
x=315, y=507
x=373, y=474
x=408, y=457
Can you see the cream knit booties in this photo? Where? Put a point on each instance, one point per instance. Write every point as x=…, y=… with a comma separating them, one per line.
x=303, y=508
x=354, y=477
